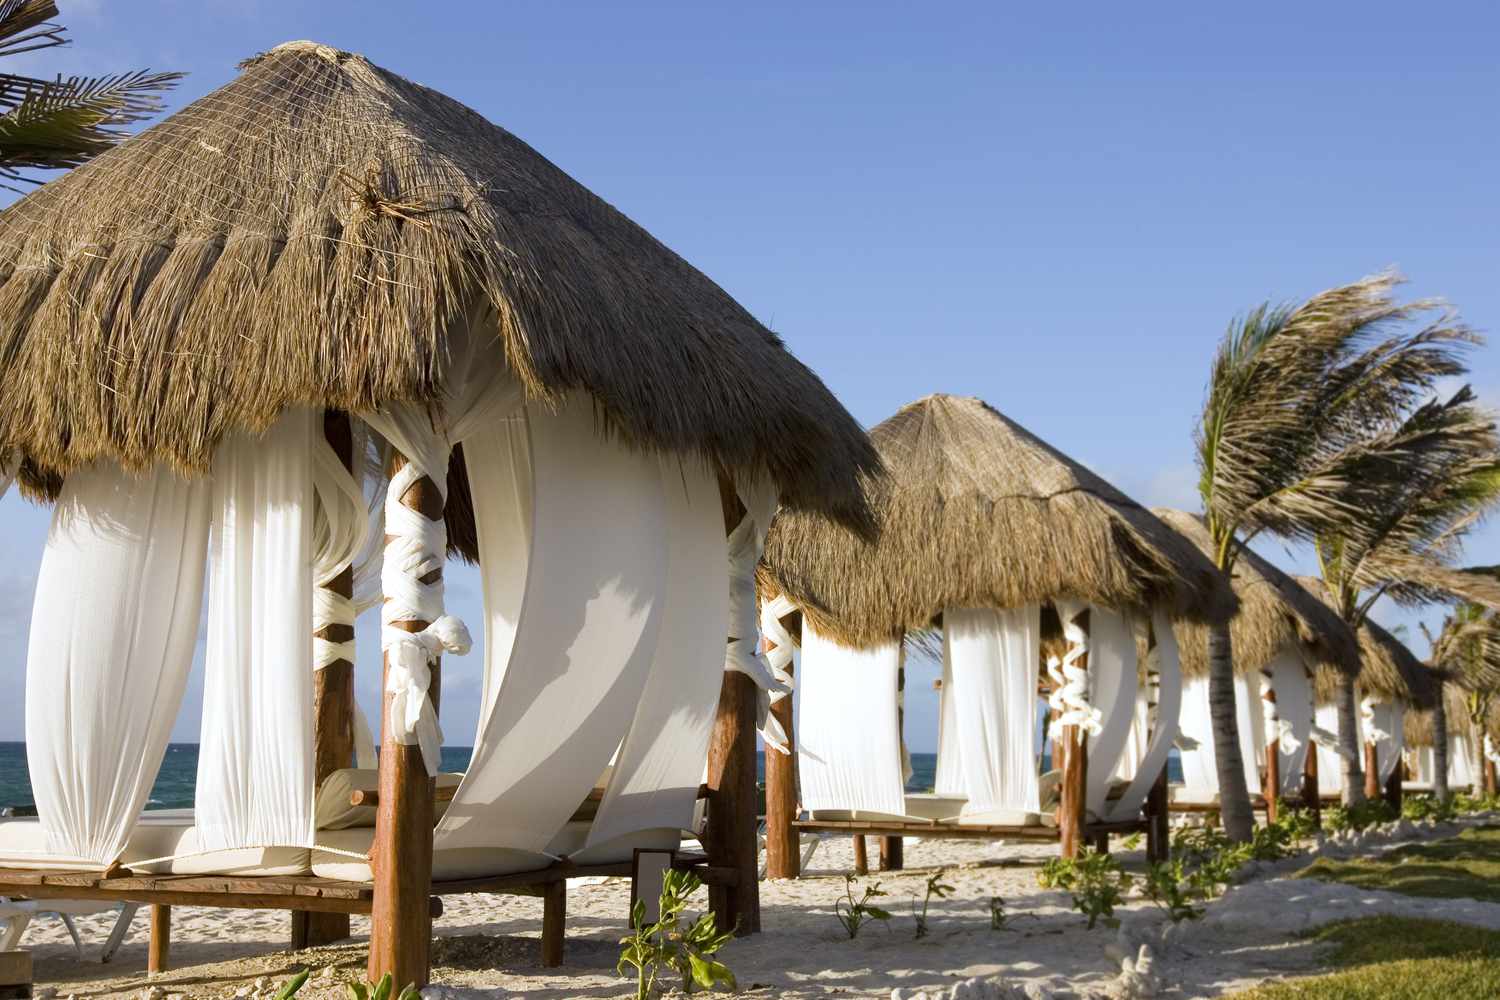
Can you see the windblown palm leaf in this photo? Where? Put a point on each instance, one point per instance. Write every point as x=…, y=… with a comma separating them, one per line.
x=54, y=124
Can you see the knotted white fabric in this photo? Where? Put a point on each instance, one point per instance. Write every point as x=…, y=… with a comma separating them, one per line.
x=781, y=644
x=408, y=679
x=993, y=658
x=112, y=634
x=255, y=766
x=653, y=786
x=1070, y=693
x=1165, y=664
x=1462, y=772
x=1372, y=733
x=849, y=749
x=741, y=653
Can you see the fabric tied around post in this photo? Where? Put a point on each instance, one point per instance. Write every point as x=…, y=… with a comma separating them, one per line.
x=1070, y=694
x=1373, y=733
x=1278, y=730
x=740, y=653
x=409, y=676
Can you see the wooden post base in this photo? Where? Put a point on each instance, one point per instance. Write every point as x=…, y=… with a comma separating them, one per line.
x=314, y=930
x=1372, y=772
x=15, y=974
x=1312, y=798
x=861, y=856
x=732, y=809
x=1100, y=843
x=554, y=919
x=1158, y=831
x=892, y=854
x=158, y=956
x=1393, y=789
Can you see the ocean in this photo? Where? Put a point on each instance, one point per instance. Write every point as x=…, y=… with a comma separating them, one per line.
x=179, y=772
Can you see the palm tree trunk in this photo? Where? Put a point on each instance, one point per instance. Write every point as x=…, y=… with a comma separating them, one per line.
x=1440, y=749
x=1234, y=795
x=1350, y=766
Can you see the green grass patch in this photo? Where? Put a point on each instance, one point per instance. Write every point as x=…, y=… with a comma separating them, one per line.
x=1383, y=958
x=1464, y=867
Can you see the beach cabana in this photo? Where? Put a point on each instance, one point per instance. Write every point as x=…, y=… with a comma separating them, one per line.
x=984, y=533
x=1467, y=760
x=202, y=327
x=1280, y=636
x=1391, y=682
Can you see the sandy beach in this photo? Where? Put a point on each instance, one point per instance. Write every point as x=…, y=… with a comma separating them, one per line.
x=488, y=945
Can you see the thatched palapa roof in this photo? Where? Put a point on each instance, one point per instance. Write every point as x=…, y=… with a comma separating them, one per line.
x=311, y=232
x=1388, y=670
x=1275, y=612
x=975, y=511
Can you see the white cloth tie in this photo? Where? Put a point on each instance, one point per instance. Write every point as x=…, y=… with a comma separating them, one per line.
x=1069, y=697
x=740, y=654
x=409, y=658
x=1278, y=730
x=1489, y=750
x=782, y=643
x=1373, y=733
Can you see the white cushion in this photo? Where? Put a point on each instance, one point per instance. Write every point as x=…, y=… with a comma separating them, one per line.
x=453, y=864
x=934, y=805
x=332, y=810
x=157, y=834
x=1189, y=796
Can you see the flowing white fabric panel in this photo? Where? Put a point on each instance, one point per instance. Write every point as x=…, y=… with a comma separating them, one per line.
x=848, y=749
x=1113, y=680
x=1461, y=770
x=654, y=785
x=995, y=658
x=112, y=635
x=586, y=636
x=950, y=768
x=1294, y=705
x=1390, y=717
x=255, y=765
x=1136, y=740
x=1330, y=777
x=1166, y=725
x=1200, y=766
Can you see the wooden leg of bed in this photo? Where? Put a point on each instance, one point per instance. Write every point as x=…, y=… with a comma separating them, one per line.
x=313, y=930
x=861, y=859
x=1100, y=843
x=554, y=917
x=161, y=938
x=892, y=854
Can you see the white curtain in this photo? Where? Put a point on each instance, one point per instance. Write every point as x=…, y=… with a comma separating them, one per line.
x=654, y=784
x=112, y=634
x=1330, y=778
x=994, y=658
x=1164, y=727
x=1200, y=766
x=1390, y=718
x=255, y=765
x=586, y=635
x=1294, y=706
x=1462, y=772
x=950, y=767
x=1113, y=680
x=848, y=747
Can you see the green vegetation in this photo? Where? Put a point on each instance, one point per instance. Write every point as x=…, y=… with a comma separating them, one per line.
x=1387, y=957
x=1096, y=881
x=853, y=913
x=1370, y=812
x=652, y=949
x=1465, y=867
x=935, y=887
x=383, y=990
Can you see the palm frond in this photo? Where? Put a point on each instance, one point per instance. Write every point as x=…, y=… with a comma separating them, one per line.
x=66, y=122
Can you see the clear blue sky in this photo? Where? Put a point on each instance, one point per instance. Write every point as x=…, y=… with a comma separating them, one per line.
x=1058, y=209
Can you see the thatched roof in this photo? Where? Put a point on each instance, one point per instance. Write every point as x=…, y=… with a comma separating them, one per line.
x=311, y=232
x=1387, y=669
x=976, y=511
x=1418, y=725
x=1275, y=612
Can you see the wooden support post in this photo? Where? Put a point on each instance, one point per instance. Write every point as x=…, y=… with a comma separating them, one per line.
x=1490, y=782
x=861, y=855
x=554, y=920
x=893, y=849
x=1158, y=806
x=892, y=854
x=1073, y=745
x=733, y=815
x=1272, y=786
x=1099, y=841
x=783, y=846
x=401, y=918
x=1312, y=797
x=333, y=705
x=158, y=956
x=1372, y=772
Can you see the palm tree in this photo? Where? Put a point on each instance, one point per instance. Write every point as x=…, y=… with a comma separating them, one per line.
x=1448, y=478
x=60, y=123
x=1466, y=651
x=1294, y=441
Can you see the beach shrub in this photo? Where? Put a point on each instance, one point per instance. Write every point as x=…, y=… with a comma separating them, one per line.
x=669, y=943
x=1370, y=812
x=1420, y=807
x=1476, y=803
x=853, y=913
x=1096, y=882
x=935, y=887
x=1169, y=886
x=291, y=986
x=381, y=990
x=1209, y=858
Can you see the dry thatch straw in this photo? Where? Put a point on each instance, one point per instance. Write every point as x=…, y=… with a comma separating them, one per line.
x=977, y=512
x=1275, y=612
x=1388, y=670
x=310, y=233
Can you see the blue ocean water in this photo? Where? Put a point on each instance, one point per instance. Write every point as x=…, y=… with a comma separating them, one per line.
x=179, y=773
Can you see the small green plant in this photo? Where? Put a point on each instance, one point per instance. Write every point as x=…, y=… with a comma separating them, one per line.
x=853, y=913
x=1169, y=885
x=669, y=943
x=935, y=887
x=1096, y=882
x=1299, y=822
x=381, y=990
x=1469, y=804
x=997, y=913
x=1132, y=842
x=1210, y=859
x=1359, y=816
x=291, y=986
x=1420, y=807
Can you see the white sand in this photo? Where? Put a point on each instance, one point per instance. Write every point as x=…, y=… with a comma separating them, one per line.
x=489, y=944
